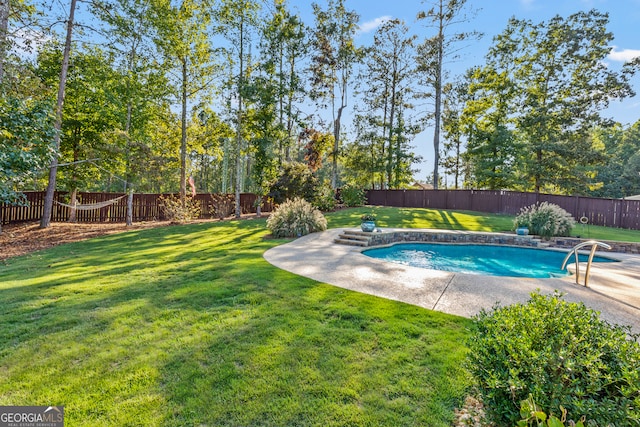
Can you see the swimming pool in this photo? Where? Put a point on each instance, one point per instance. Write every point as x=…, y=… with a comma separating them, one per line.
x=490, y=260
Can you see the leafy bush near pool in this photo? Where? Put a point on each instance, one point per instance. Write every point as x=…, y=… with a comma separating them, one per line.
x=532, y=416
x=296, y=218
x=325, y=199
x=352, y=196
x=545, y=219
x=561, y=354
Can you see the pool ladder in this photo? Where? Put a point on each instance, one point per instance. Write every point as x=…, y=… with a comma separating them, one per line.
x=594, y=245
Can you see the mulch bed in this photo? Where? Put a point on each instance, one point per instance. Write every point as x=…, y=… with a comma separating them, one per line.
x=24, y=238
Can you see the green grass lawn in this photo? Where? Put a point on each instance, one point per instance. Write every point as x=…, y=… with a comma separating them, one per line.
x=463, y=220
x=189, y=326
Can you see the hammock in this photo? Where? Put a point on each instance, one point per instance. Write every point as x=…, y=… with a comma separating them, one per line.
x=92, y=206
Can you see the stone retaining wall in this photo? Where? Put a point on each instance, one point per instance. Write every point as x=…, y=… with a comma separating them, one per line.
x=390, y=237
x=621, y=247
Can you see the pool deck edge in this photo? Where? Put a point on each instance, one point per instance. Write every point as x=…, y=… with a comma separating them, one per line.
x=614, y=291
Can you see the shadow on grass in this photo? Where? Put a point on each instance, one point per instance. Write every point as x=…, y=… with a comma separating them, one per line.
x=190, y=325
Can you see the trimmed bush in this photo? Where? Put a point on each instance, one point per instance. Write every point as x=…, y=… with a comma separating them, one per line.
x=352, y=196
x=561, y=354
x=545, y=219
x=295, y=218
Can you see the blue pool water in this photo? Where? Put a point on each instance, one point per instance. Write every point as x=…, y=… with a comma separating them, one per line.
x=490, y=260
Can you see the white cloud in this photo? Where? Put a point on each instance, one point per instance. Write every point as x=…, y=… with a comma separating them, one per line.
x=527, y=3
x=369, y=26
x=623, y=55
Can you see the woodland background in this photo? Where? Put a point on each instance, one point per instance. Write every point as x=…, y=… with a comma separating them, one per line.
x=114, y=95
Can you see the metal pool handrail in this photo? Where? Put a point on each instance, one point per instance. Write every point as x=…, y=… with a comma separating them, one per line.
x=594, y=245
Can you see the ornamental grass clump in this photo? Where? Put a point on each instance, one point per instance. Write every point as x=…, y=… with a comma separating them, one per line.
x=558, y=354
x=545, y=219
x=295, y=218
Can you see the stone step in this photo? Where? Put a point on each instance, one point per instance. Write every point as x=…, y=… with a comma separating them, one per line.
x=355, y=232
x=352, y=242
x=355, y=237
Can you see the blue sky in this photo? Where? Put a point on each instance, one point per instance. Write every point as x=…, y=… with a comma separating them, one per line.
x=491, y=19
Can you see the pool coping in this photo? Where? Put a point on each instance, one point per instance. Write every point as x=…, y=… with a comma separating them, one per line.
x=316, y=256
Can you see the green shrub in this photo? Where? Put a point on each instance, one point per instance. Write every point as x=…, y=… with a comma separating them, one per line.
x=295, y=218
x=560, y=353
x=545, y=219
x=353, y=196
x=295, y=180
x=174, y=210
x=325, y=199
x=533, y=416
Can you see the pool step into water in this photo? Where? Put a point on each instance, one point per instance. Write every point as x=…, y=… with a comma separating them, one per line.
x=354, y=238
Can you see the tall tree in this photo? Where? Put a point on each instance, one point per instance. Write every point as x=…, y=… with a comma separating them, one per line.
x=90, y=116
x=493, y=151
x=387, y=78
x=434, y=51
x=182, y=35
x=265, y=132
x=454, y=131
x=210, y=133
x=283, y=47
x=142, y=93
x=561, y=86
x=45, y=221
x=332, y=64
x=236, y=22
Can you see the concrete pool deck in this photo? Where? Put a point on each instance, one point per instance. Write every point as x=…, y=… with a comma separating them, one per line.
x=614, y=290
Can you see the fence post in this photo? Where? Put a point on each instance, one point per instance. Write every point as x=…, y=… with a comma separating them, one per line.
x=623, y=204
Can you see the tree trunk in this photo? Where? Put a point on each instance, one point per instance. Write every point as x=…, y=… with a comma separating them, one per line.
x=127, y=126
x=183, y=138
x=392, y=117
x=4, y=36
x=336, y=148
x=45, y=221
x=259, y=206
x=438, y=106
x=74, y=203
x=130, y=208
x=238, y=208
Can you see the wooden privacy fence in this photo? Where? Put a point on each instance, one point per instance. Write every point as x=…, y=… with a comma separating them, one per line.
x=145, y=207
x=607, y=212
